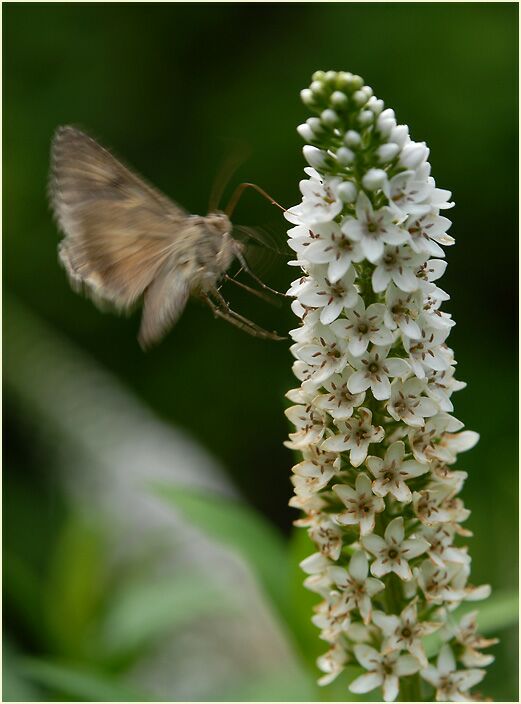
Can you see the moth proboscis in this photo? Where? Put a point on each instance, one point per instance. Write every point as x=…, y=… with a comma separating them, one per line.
x=124, y=241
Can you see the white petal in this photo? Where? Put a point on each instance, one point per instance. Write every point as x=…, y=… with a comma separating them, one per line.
x=381, y=389
x=367, y=656
x=374, y=543
x=394, y=531
x=397, y=367
x=359, y=566
x=380, y=279
x=358, y=455
x=366, y=683
x=372, y=248
x=358, y=345
x=446, y=662
x=388, y=624
x=378, y=569
x=402, y=569
x=337, y=268
x=414, y=547
x=331, y=312
x=390, y=688
x=407, y=665
x=358, y=382
x=406, y=280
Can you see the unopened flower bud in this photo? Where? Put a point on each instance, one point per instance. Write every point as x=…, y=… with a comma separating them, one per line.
x=345, y=156
x=315, y=157
x=374, y=179
x=352, y=139
x=387, y=152
x=347, y=191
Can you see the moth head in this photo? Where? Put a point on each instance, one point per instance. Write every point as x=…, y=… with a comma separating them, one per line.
x=219, y=222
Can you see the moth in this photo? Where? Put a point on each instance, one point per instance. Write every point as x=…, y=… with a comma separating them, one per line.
x=125, y=242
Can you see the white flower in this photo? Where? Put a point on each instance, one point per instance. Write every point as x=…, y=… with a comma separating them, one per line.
x=321, y=202
x=373, y=228
x=332, y=298
x=356, y=435
x=384, y=670
x=310, y=424
x=314, y=474
x=393, y=552
x=407, y=194
x=324, y=533
x=432, y=315
x=441, y=551
x=326, y=356
x=332, y=663
x=428, y=232
x=466, y=634
x=397, y=264
x=363, y=325
x=402, y=310
x=339, y=402
x=332, y=617
x=451, y=684
x=408, y=404
x=373, y=369
x=316, y=566
x=391, y=472
x=441, y=385
x=356, y=586
x=437, y=439
x=404, y=632
x=332, y=247
x=426, y=352
x=361, y=504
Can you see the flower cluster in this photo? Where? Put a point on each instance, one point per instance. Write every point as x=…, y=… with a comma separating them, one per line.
x=373, y=412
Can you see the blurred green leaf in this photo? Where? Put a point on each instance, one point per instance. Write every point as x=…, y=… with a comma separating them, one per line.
x=302, y=600
x=22, y=593
x=15, y=685
x=144, y=611
x=241, y=528
x=498, y=612
x=284, y=686
x=74, y=587
x=78, y=683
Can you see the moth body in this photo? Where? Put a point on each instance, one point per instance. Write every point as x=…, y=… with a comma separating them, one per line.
x=124, y=241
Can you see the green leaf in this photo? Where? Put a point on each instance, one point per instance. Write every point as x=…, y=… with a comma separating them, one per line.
x=74, y=587
x=241, y=528
x=143, y=612
x=498, y=612
x=15, y=685
x=303, y=601
x=78, y=683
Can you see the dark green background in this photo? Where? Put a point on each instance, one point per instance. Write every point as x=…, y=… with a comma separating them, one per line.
x=172, y=88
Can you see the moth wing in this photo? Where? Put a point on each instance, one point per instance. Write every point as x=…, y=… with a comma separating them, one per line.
x=119, y=230
x=164, y=301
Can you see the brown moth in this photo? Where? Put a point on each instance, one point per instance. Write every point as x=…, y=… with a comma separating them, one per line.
x=125, y=241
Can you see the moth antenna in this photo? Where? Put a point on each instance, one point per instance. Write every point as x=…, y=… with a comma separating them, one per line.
x=230, y=165
x=232, y=203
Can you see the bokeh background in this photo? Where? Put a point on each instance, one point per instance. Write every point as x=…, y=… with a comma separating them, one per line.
x=115, y=589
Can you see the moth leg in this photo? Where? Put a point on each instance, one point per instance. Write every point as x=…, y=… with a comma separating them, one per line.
x=259, y=294
x=238, y=320
x=247, y=269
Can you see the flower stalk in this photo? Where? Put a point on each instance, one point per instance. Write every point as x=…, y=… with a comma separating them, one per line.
x=373, y=412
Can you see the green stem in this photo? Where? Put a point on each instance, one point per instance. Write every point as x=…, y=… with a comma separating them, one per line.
x=410, y=689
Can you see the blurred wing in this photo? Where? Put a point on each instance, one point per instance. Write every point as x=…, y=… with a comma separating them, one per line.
x=119, y=230
x=164, y=301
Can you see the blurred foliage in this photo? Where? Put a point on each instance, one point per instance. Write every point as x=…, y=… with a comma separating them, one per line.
x=174, y=88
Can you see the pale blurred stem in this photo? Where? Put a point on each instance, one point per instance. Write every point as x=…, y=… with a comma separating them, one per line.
x=394, y=595
x=410, y=689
